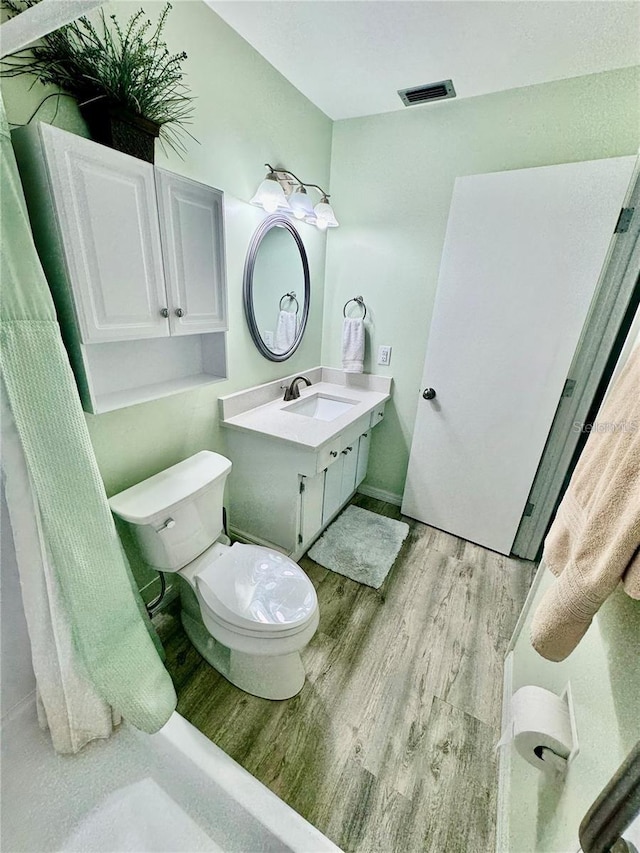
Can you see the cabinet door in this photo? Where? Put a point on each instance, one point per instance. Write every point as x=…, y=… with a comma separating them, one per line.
x=349, y=467
x=363, y=456
x=192, y=232
x=106, y=206
x=311, y=501
x=332, y=489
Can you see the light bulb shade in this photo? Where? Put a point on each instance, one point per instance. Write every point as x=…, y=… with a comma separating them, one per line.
x=270, y=196
x=301, y=206
x=326, y=216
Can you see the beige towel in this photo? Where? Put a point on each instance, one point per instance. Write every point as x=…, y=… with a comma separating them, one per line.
x=594, y=542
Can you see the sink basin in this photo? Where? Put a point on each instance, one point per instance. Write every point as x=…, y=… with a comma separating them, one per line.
x=321, y=407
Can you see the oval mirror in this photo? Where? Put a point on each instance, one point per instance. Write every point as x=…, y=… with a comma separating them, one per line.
x=277, y=288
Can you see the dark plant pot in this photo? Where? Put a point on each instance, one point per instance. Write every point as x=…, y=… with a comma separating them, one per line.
x=113, y=126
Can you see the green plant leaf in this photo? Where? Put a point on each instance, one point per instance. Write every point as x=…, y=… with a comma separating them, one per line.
x=127, y=65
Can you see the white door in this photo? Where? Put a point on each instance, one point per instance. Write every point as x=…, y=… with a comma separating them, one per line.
x=191, y=226
x=106, y=206
x=522, y=257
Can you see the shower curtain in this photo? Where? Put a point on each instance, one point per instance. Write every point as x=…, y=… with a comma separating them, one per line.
x=93, y=656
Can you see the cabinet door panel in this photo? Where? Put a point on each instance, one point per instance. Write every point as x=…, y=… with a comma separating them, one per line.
x=363, y=457
x=349, y=467
x=191, y=225
x=332, y=489
x=311, y=502
x=107, y=210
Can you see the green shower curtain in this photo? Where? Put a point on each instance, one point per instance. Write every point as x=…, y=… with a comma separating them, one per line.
x=107, y=628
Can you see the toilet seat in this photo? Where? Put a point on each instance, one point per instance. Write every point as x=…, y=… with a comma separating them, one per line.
x=253, y=590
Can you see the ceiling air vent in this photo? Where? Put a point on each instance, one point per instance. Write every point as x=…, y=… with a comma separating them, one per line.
x=428, y=92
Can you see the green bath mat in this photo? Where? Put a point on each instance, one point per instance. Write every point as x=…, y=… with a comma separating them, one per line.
x=360, y=545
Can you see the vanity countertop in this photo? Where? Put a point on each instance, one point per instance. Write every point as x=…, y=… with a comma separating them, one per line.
x=273, y=419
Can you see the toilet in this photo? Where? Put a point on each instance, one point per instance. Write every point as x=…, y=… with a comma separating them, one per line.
x=248, y=610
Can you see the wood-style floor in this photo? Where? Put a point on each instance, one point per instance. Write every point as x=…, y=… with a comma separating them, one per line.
x=390, y=745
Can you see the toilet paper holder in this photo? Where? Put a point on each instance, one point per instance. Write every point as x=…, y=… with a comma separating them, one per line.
x=567, y=696
x=552, y=759
x=557, y=762
x=554, y=753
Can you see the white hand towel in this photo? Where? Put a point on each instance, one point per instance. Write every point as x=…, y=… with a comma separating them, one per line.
x=285, y=331
x=353, y=345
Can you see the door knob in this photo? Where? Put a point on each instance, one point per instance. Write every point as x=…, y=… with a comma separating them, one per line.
x=179, y=312
x=429, y=393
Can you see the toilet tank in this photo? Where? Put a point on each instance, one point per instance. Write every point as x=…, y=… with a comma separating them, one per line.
x=176, y=514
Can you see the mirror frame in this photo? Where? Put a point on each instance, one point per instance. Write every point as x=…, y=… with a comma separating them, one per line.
x=276, y=220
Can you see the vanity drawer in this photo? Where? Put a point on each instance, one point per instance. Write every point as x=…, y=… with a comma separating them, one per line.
x=377, y=415
x=328, y=454
x=351, y=435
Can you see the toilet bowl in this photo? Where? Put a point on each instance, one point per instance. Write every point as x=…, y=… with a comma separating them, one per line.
x=247, y=609
x=261, y=607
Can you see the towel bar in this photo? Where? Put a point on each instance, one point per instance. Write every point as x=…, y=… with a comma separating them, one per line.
x=360, y=301
x=291, y=296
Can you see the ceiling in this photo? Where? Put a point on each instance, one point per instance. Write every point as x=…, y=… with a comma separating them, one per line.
x=349, y=57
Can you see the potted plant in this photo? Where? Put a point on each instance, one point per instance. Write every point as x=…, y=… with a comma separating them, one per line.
x=128, y=86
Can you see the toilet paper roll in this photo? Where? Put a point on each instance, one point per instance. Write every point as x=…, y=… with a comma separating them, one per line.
x=540, y=728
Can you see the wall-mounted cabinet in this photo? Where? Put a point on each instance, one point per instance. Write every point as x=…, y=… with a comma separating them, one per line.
x=191, y=217
x=134, y=256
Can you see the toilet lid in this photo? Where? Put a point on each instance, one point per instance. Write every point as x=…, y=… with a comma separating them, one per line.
x=257, y=588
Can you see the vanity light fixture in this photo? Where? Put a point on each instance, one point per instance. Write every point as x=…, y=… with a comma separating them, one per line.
x=284, y=192
x=270, y=194
x=301, y=205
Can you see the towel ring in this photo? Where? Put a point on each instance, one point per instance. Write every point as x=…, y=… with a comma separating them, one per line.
x=291, y=296
x=360, y=301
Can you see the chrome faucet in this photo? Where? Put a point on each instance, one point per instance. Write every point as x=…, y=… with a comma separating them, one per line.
x=292, y=392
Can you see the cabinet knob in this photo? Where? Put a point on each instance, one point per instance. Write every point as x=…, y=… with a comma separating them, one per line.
x=429, y=393
x=380, y=414
x=333, y=453
x=364, y=435
x=179, y=312
x=164, y=312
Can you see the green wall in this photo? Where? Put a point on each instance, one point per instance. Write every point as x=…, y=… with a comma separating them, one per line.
x=391, y=180
x=392, y=177
x=246, y=114
x=538, y=814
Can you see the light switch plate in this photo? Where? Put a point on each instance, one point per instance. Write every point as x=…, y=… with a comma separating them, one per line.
x=384, y=355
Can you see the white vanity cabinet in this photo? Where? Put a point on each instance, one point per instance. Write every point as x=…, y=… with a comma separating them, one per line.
x=281, y=494
x=340, y=480
x=134, y=257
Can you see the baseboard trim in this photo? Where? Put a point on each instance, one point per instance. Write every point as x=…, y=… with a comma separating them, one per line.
x=27, y=702
x=248, y=539
x=504, y=762
x=381, y=495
